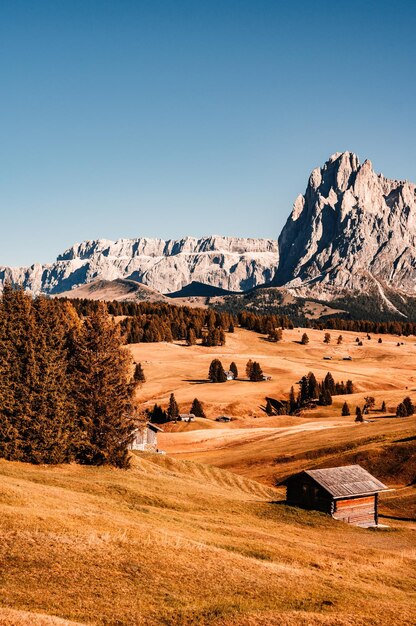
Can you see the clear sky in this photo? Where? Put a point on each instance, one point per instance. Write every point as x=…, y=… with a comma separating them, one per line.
x=163, y=118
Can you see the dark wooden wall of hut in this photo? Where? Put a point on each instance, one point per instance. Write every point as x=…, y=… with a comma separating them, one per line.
x=303, y=491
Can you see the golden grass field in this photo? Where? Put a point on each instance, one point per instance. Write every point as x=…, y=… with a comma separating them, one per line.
x=176, y=543
x=202, y=536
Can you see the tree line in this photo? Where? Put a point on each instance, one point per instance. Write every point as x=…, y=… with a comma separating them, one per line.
x=67, y=384
x=158, y=415
x=149, y=322
x=310, y=393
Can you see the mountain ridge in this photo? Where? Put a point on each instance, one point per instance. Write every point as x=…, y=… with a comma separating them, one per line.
x=352, y=232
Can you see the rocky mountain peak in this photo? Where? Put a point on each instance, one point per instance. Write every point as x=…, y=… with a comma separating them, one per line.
x=350, y=228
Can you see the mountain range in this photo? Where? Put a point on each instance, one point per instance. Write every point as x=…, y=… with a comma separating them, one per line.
x=352, y=232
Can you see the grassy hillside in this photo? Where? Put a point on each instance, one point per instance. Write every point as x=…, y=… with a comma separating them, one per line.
x=177, y=543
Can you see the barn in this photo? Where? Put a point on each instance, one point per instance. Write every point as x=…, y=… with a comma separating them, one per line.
x=145, y=437
x=348, y=493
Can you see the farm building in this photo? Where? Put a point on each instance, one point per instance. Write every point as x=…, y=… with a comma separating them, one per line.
x=230, y=375
x=186, y=417
x=145, y=437
x=223, y=418
x=348, y=493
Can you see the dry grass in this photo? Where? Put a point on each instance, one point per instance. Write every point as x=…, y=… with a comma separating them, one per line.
x=177, y=543
x=384, y=370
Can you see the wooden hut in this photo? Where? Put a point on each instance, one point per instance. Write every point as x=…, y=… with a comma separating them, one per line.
x=145, y=437
x=348, y=493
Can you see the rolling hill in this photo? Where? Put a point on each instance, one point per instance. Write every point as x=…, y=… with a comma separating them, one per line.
x=177, y=543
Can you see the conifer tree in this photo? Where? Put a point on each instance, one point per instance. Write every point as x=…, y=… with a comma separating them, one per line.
x=216, y=372
x=256, y=373
x=401, y=410
x=292, y=402
x=231, y=328
x=269, y=407
x=349, y=387
x=191, y=337
x=305, y=339
x=234, y=370
x=173, y=409
x=327, y=338
x=345, y=409
x=329, y=383
x=358, y=415
x=383, y=407
x=139, y=376
x=106, y=413
x=249, y=367
x=313, y=390
x=197, y=409
x=339, y=340
x=157, y=415
x=410, y=409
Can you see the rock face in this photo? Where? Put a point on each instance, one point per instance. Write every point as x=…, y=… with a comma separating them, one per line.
x=234, y=264
x=352, y=230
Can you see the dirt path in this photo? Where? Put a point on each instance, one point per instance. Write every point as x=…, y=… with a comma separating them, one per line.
x=205, y=440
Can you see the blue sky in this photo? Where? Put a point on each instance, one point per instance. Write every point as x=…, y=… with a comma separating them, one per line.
x=165, y=118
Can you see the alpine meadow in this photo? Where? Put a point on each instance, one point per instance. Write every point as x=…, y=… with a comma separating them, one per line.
x=204, y=422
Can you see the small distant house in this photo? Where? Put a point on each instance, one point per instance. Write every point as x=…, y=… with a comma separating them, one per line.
x=348, y=493
x=347, y=358
x=145, y=437
x=327, y=358
x=230, y=375
x=186, y=417
x=266, y=377
x=223, y=418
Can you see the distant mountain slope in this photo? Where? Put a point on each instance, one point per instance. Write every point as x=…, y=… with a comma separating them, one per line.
x=196, y=289
x=230, y=263
x=120, y=289
x=352, y=231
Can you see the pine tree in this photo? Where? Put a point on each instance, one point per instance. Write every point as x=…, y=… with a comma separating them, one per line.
x=139, y=376
x=329, y=383
x=304, y=390
x=191, y=337
x=345, y=409
x=234, y=370
x=157, y=415
x=401, y=410
x=197, y=408
x=216, y=372
x=327, y=338
x=305, y=339
x=292, y=402
x=249, y=367
x=383, y=407
x=269, y=408
x=349, y=387
x=173, y=409
x=339, y=340
x=410, y=409
x=106, y=413
x=231, y=328
x=256, y=373
x=325, y=397
x=313, y=391
x=358, y=415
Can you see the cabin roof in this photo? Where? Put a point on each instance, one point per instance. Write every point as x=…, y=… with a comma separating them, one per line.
x=348, y=480
x=154, y=427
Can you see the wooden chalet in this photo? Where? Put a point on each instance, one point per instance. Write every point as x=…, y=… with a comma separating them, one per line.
x=348, y=493
x=186, y=417
x=145, y=437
